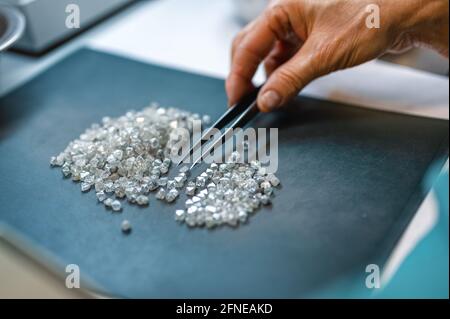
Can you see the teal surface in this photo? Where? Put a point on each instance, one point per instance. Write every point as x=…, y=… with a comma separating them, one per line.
x=351, y=181
x=424, y=273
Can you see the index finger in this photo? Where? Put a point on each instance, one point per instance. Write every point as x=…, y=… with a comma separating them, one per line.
x=255, y=45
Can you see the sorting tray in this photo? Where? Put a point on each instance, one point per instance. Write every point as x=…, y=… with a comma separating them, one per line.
x=351, y=181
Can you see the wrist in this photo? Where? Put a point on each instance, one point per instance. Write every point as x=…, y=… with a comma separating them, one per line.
x=428, y=23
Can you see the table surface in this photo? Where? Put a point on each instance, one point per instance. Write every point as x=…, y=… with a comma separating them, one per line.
x=154, y=31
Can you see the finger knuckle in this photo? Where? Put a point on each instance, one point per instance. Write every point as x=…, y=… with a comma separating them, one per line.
x=278, y=21
x=290, y=81
x=334, y=54
x=243, y=71
x=252, y=57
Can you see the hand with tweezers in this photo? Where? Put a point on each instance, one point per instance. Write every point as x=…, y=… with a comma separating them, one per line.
x=301, y=40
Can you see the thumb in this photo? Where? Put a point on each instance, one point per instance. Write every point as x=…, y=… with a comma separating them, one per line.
x=288, y=80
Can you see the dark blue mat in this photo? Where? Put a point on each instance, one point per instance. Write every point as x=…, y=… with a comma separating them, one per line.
x=351, y=182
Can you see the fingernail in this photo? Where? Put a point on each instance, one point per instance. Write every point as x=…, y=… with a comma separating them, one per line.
x=270, y=100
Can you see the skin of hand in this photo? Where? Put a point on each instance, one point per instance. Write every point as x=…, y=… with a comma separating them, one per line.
x=301, y=40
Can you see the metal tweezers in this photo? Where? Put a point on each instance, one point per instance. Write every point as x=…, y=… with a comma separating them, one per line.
x=242, y=113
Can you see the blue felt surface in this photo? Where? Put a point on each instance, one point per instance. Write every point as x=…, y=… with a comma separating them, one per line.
x=351, y=181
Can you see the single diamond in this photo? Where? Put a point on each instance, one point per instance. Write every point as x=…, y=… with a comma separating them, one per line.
x=183, y=176
x=200, y=181
x=171, y=195
x=53, y=161
x=101, y=196
x=180, y=215
x=206, y=119
x=191, y=184
x=265, y=200
x=109, y=187
x=231, y=219
x=171, y=184
x=132, y=198
x=142, y=200
x=161, y=194
x=268, y=191
x=167, y=161
x=190, y=220
x=152, y=185
x=179, y=181
x=273, y=179
x=118, y=154
x=154, y=143
x=66, y=171
x=265, y=185
x=200, y=219
x=85, y=187
x=162, y=181
x=126, y=226
x=190, y=190
x=57, y=160
x=99, y=186
x=209, y=172
x=163, y=169
x=242, y=216
x=116, y=206
x=83, y=175
x=75, y=174
x=251, y=185
x=120, y=192
x=234, y=157
x=255, y=164
x=192, y=210
x=209, y=222
x=211, y=209
x=108, y=202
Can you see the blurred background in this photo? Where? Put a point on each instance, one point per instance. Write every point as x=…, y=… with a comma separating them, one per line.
x=45, y=30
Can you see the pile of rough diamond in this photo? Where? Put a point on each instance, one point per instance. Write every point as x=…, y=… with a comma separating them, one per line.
x=128, y=157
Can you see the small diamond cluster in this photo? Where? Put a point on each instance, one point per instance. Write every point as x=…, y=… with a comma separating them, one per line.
x=226, y=194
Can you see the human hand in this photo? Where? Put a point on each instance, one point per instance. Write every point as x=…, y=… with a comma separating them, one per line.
x=301, y=40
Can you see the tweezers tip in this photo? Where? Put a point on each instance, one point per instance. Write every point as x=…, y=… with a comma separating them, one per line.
x=183, y=159
x=192, y=166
